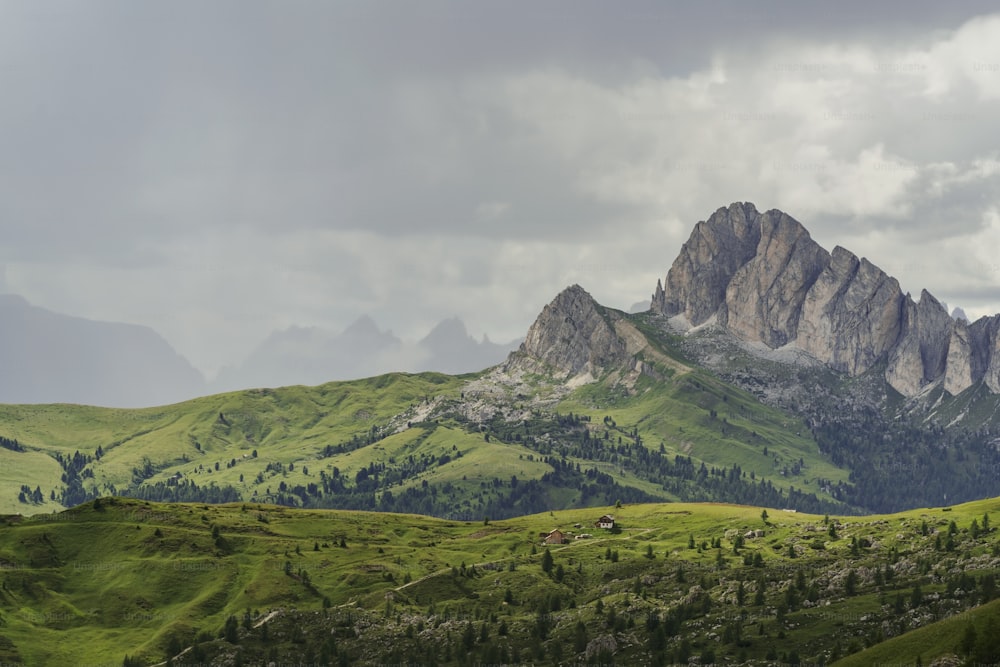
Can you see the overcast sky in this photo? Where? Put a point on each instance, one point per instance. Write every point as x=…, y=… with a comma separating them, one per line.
x=218, y=170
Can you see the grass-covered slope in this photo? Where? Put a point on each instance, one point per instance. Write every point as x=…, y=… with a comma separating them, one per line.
x=463, y=447
x=973, y=635
x=208, y=440
x=250, y=583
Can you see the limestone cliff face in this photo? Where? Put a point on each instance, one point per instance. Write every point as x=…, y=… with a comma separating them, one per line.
x=850, y=318
x=696, y=283
x=920, y=356
x=765, y=296
x=974, y=355
x=765, y=280
x=990, y=327
x=992, y=375
x=574, y=335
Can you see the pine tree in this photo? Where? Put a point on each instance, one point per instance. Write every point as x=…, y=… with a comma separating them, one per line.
x=850, y=583
x=547, y=562
x=916, y=597
x=580, y=637
x=758, y=597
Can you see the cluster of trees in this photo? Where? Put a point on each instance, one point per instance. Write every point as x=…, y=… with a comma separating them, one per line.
x=184, y=491
x=896, y=465
x=11, y=444
x=74, y=472
x=26, y=495
x=568, y=436
x=357, y=441
x=495, y=498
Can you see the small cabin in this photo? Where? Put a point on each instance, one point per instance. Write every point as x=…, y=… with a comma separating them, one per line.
x=606, y=522
x=556, y=537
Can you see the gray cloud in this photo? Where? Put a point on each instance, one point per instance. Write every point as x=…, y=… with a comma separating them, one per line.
x=223, y=170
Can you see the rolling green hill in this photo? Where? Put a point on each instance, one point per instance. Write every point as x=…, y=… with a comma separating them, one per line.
x=453, y=446
x=249, y=583
x=653, y=425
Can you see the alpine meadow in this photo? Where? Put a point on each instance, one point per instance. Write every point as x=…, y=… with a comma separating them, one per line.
x=784, y=460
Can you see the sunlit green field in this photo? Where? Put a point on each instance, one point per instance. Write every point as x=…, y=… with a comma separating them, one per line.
x=91, y=585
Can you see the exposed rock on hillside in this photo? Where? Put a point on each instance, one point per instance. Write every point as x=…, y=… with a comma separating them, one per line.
x=696, y=284
x=764, y=299
x=573, y=335
x=855, y=305
x=766, y=281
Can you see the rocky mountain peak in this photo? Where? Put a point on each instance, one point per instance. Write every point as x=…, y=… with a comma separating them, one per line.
x=764, y=279
x=573, y=335
x=696, y=284
x=765, y=296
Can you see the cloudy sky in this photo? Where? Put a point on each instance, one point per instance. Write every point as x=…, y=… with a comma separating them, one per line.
x=221, y=169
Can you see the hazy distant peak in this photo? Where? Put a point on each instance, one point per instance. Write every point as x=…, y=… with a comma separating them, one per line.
x=49, y=357
x=16, y=300
x=448, y=329
x=363, y=326
x=310, y=355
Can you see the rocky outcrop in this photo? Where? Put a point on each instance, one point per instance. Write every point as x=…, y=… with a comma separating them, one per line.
x=696, y=283
x=920, y=356
x=766, y=281
x=573, y=335
x=850, y=318
x=974, y=355
x=765, y=296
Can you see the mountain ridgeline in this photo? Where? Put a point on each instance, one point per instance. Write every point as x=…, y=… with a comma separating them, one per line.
x=761, y=277
x=890, y=389
x=48, y=357
x=767, y=372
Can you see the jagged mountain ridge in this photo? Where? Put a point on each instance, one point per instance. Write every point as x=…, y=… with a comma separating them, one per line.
x=313, y=355
x=762, y=277
x=896, y=391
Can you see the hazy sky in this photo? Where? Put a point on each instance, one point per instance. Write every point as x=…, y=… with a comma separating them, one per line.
x=218, y=170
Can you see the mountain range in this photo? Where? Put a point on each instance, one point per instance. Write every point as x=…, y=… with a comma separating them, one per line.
x=767, y=370
x=312, y=355
x=48, y=357
x=768, y=374
x=761, y=277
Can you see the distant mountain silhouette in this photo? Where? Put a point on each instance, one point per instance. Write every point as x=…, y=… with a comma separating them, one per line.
x=450, y=349
x=46, y=357
x=313, y=355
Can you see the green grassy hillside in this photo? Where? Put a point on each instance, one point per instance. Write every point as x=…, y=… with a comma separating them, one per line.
x=976, y=630
x=248, y=582
x=427, y=443
x=209, y=440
